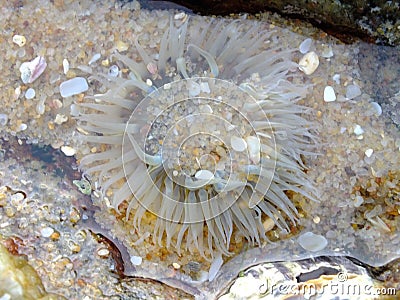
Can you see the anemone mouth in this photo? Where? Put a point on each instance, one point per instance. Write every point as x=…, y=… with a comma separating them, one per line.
x=214, y=144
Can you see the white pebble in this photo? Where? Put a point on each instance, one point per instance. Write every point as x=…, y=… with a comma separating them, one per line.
x=329, y=94
x=377, y=108
x=358, y=201
x=68, y=151
x=312, y=242
x=3, y=119
x=238, y=144
x=352, y=91
x=113, y=71
x=20, y=40
x=336, y=78
x=94, y=58
x=309, y=63
x=60, y=118
x=369, y=152
x=22, y=127
x=358, y=130
x=305, y=46
x=30, y=93
x=65, y=65
x=73, y=86
x=31, y=70
x=204, y=175
x=136, y=260
x=46, y=231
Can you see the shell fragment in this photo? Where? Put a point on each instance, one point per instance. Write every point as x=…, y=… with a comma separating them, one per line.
x=309, y=63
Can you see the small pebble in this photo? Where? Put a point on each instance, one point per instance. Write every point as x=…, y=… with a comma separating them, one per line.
x=377, y=108
x=204, y=175
x=327, y=51
x=65, y=65
x=238, y=144
x=309, y=63
x=136, y=260
x=176, y=266
x=103, y=252
x=121, y=46
x=30, y=93
x=68, y=151
x=20, y=40
x=46, y=232
x=113, y=71
x=358, y=130
x=73, y=86
x=305, y=46
x=3, y=119
x=329, y=94
x=352, y=91
x=358, y=201
x=94, y=58
x=60, y=118
x=336, y=78
x=312, y=242
x=369, y=152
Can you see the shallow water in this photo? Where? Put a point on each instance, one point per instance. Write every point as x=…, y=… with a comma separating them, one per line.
x=53, y=200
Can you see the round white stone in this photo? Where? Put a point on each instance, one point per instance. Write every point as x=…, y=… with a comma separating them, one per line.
x=329, y=94
x=238, y=144
x=30, y=93
x=136, y=260
x=312, y=242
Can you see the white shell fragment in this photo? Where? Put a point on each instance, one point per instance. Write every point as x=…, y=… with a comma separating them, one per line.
x=377, y=108
x=30, y=93
x=329, y=94
x=254, y=146
x=31, y=70
x=352, y=91
x=358, y=130
x=238, y=144
x=20, y=40
x=73, y=86
x=68, y=151
x=305, y=46
x=312, y=242
x=369, y=152
x=309, y=63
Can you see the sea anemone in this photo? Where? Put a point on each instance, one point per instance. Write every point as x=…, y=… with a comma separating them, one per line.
x=202, y=131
